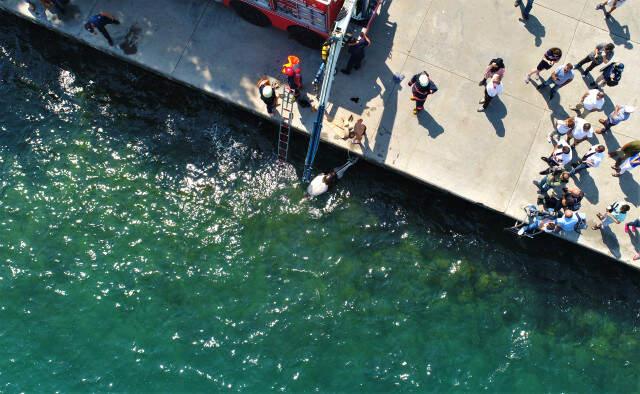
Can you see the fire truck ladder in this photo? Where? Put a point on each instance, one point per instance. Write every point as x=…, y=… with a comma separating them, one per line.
x=286, y=117
x=337, y=41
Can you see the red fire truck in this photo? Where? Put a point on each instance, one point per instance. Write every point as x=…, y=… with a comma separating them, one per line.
x=308, y=21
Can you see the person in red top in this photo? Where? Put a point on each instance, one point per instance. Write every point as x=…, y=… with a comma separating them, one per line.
x=293, y=71
x=421, y=87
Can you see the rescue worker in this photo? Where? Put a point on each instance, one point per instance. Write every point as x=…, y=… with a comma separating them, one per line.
x=267, y=94
x=99, y=22
x=294, y=74
x=356, y=50
x=324, y=54
x=421, y=87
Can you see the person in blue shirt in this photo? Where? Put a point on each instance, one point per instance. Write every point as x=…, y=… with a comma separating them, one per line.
x=100, y=21
x=567, y=222
x=562, y=76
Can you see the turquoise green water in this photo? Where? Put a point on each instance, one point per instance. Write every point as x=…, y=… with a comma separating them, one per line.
x=149, y=242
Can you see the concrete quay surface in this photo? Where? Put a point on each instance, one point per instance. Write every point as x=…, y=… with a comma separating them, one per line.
x=489, y=158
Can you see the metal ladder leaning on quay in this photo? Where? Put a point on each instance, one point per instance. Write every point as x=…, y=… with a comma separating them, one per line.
x=286, y=118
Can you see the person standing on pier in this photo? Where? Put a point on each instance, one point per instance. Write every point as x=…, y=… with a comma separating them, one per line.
x=591, y=159
x=627, y=165
x=356, y=50
x=619, y=115
x=610, y=75
x=580, y=133
x=267, y=94
x=496, y=66
x=603, y=53
x=616, y=213
x=294, y=74
x=525, y=10
x=551, y=57
x=100, y=21
x=421, y=87
x=591, y=101
x=492, y=90
x=628, y=150
x=614, y=4
x=562, y=76
x=560, y=157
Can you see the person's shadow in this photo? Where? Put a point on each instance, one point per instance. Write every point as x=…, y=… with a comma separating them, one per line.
x=630, y=188
x=495, y=112
x=428, y=122
x=620, y=35
x=536, y=29
x=610, y=239
x=557, y=111
x=585, y=182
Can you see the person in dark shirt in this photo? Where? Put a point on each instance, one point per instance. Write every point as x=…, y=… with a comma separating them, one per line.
x=356, y=50
x=99, y=22
x=421, y=87
x=550, y=58
x=611, y=75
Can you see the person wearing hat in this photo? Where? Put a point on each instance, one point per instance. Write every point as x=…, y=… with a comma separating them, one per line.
x=267, y=94
x=99, y=22
x=619, y=115
x=421, y=87
x=610, y=75
x=491, y=91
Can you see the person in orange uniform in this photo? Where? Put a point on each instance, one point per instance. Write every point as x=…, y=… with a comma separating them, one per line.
x=293, y=71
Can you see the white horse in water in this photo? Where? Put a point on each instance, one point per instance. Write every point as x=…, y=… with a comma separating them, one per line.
x=321, y=183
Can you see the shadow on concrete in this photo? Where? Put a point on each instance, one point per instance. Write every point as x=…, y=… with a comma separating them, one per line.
x=495, y=112
x=630, y=188
x=620, y=35
x=609, y=140
x=585, y=182
x=536, y=29
x=610, y=239
x=428, y=122
x=557, y=111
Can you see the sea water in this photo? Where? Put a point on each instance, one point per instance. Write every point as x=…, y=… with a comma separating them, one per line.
x=149, y=241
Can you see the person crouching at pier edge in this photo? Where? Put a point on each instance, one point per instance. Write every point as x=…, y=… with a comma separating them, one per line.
x=99, y=22
x=267, y=94
x=421, y=87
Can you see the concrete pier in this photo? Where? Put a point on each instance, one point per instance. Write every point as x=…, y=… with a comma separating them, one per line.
x=489, y=158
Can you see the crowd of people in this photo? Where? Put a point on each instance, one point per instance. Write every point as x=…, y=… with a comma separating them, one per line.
x=559, y=203
x=557, y=209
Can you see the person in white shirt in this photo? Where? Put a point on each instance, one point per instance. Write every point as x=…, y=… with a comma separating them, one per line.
x=591, y=159
x=562, y=127
x=492, y=90
x=581, y=132
x=614, y=4
x=560, y=157
x=591, y=101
